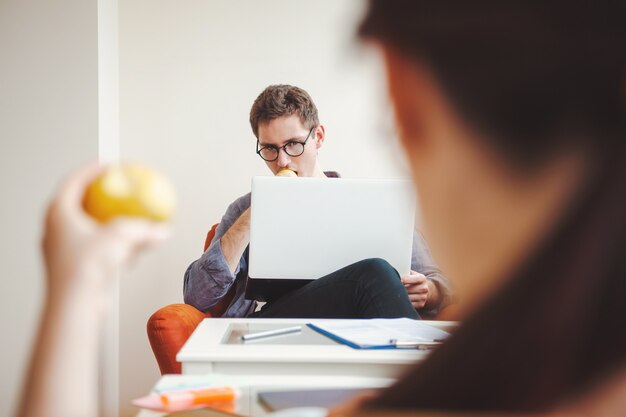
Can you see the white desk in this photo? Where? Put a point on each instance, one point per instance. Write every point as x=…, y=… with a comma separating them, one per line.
x=215, y=346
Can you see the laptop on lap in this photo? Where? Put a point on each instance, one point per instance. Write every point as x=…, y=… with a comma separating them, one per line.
x=302, y=229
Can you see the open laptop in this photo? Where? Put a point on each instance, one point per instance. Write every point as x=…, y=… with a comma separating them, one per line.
x=302, y=229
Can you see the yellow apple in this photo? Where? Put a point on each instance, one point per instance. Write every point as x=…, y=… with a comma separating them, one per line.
x=286, y=173
x=130, y=190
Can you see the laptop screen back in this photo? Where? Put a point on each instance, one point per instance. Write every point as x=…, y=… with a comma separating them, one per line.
x=305, y=228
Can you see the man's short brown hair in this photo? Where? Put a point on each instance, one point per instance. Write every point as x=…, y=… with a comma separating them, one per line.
x=283, y=100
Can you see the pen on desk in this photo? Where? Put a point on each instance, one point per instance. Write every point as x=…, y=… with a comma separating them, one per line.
x=415, y=344
x=269, y=333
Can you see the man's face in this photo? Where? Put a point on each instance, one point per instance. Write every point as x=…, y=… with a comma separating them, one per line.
x=285, y=129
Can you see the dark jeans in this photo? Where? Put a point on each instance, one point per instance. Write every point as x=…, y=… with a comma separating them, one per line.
x=366, y=289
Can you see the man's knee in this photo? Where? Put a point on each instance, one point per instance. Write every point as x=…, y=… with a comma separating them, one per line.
x=365, y=272
x=378, y=268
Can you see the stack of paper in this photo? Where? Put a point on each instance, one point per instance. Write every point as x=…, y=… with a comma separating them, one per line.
x=380, y=333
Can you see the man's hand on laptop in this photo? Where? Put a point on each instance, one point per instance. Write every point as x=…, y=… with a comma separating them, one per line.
x=418, y=287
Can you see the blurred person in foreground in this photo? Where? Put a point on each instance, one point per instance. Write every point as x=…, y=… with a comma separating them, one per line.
x=512, y=116
x=82, y=259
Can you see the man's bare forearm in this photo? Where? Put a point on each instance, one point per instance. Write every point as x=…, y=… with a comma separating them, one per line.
x=63, y=373
x=235, y=240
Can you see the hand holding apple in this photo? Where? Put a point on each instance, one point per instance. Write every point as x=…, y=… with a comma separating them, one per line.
x=82, y=252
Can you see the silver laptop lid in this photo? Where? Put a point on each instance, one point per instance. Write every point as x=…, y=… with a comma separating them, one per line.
x=305, y=228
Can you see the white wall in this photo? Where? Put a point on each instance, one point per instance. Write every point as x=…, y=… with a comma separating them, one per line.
x=48, y=125
x=189, y=72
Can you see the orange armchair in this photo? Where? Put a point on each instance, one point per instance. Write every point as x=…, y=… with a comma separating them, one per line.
x=170, y=327
x=168, y=330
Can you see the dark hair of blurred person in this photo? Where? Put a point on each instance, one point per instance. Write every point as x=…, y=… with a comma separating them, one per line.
x=512, y=115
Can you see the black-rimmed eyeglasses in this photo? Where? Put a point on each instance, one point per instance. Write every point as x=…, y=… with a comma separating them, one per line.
x=291, y=148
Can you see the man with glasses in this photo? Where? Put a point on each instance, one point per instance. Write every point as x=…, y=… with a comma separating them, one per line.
x=293, y=147
x=285, y=122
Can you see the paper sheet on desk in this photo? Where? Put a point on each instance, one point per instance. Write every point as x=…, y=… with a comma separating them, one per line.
x=377, y=333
